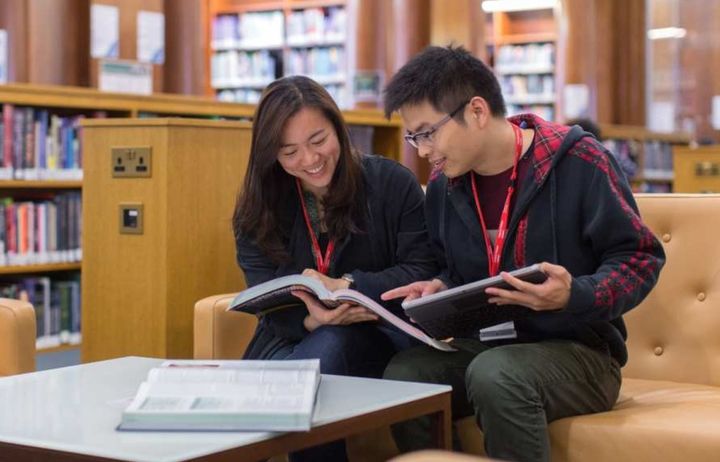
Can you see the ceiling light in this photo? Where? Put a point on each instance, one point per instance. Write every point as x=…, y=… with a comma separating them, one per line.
x=490, y=6
x=666, y=33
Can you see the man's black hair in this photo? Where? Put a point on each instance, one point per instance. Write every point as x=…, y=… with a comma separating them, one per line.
x=586, y=124
x=444, y=77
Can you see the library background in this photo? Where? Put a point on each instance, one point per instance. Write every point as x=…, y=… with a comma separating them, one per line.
x=90, y=88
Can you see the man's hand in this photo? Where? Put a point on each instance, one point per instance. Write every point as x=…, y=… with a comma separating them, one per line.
x=553, y=294
x=415, y=290
x=330, y=284
x=342, y=315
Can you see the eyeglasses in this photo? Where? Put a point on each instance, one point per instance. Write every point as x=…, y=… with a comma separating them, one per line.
x=425, y=138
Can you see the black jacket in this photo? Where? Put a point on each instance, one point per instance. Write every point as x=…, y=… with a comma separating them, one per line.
x=574, y=209
x=392, y=251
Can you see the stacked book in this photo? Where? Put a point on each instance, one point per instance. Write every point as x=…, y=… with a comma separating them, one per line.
x=226, y=395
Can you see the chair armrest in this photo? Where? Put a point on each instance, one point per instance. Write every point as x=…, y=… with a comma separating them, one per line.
x=221, y=334
x=17, y=337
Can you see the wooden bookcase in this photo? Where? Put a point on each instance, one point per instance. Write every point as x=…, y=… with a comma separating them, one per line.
x=72, y=101
x=254, y=42
x=645, y=156
x=377, y=134
x=522, y=48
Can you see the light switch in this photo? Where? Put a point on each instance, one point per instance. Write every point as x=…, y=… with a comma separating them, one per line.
x=131, y=218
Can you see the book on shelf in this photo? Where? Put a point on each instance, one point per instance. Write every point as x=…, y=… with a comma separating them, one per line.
x=57, y=307
x=40, y=230
x=38, y=145
x=200, y=395
x=456, y=312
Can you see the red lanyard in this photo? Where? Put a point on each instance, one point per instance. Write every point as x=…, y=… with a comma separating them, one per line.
x=323, y=264
x=494, y=254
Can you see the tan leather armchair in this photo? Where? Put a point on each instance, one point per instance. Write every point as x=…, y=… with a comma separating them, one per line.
x=17, y=337
x=669, y=405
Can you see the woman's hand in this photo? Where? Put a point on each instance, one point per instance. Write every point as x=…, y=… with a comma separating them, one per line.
x=330, y=284
x=553, y=294
x=342, y=315
x=415, y=290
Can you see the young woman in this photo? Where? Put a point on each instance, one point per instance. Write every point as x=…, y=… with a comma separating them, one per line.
x=312, y=204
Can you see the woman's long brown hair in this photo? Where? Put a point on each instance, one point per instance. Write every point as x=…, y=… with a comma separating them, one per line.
x=268, y=188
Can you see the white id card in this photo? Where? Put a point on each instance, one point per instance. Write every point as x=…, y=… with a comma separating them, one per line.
x=498, y=332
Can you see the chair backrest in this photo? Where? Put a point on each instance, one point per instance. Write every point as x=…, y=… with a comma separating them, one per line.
x=17, y=337
x=675, y=333
x=220, y=334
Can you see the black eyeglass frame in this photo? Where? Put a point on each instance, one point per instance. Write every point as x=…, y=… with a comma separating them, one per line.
x=425, y=137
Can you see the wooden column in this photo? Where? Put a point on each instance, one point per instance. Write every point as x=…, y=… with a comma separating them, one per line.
x=698, y=65
x=586, y=57
x=408, y=32
x=48, y=40
x=186, y=40
x=602, y=45
x=629, y=39
x=59, y=42
x=460, y=22
x=370, y=40
x=13, y=18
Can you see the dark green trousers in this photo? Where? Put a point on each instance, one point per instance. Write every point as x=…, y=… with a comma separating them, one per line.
x=514, y=391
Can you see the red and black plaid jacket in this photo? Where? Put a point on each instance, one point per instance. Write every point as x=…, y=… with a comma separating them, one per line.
x=573, y=208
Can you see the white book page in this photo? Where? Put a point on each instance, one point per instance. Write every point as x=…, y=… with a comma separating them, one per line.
x=245, y=371
x=223, y=398
x=367, y=302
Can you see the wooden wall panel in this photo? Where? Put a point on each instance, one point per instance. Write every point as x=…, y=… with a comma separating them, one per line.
x=128, y=10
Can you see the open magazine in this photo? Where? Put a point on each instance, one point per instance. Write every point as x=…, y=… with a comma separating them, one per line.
x=275, y=295
x=208, y=395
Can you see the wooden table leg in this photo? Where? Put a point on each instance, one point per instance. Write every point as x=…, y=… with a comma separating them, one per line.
x=442, y=425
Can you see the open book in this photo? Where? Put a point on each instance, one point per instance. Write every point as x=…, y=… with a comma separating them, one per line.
x=457, y=312
x=275, y=295
x=225, y=395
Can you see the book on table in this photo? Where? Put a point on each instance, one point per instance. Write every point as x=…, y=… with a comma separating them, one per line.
x=456, y=312
x=210, y=395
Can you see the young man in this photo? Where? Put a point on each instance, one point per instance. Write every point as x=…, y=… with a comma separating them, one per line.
x=507, y=193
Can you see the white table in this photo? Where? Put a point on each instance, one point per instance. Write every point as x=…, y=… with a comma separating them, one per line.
x=72, y=412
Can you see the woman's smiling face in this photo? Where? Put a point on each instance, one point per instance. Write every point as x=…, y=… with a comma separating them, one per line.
x=310, y=149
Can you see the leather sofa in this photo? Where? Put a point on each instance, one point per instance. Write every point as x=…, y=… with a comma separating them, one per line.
x=669, y=405
x=17, y=337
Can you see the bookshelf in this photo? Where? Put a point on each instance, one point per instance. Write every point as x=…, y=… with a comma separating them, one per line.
x=645, y=156
x=369, y=130
x=522, y=48
x=252, y=43
x=32, y=264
